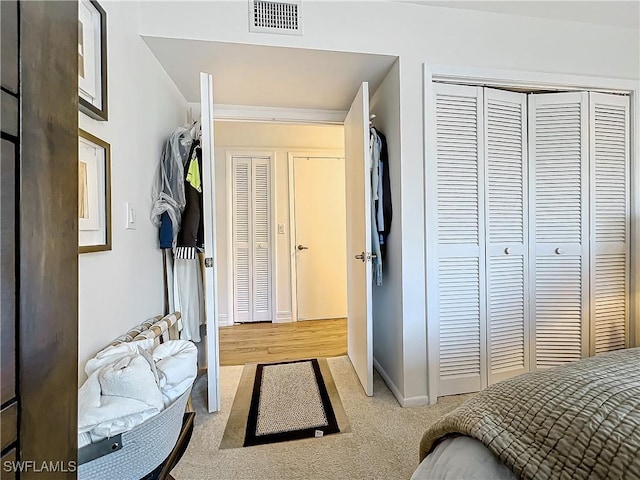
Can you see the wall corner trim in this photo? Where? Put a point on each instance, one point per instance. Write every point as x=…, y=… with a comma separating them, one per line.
x=404, y=402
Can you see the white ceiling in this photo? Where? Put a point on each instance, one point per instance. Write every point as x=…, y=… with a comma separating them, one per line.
x=612, y=13
x=269, y=76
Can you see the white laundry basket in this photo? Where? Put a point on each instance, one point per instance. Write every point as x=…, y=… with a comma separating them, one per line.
x=141, y=449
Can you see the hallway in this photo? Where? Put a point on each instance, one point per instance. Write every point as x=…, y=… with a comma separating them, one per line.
x=274, y=342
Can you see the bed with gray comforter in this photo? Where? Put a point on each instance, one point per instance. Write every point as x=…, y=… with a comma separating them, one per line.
x=577, y=421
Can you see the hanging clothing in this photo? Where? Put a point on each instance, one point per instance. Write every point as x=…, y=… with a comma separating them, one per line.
x=188, y=292
x=381, y=210
x=384, y=206
x=374, y=151
x=177, y=211
x=188, y=273
x=192, y=228
x=193, y=175
x=376, y=261
x=169, y=189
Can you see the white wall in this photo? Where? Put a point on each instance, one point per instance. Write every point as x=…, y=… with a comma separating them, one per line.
x=123, y=287
x=388, y=324
x=416, y=34
x=278, y=139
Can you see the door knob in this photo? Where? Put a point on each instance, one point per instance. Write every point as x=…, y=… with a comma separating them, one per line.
x=302, y=247
x=507, y=251
x=558, y=251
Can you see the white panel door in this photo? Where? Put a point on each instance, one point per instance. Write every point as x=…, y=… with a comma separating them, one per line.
x=559, y=219
x=321, y=237
x=506, y=207
x=359, y=271
x=211, y=262
x=460, y=250
x=610, y=217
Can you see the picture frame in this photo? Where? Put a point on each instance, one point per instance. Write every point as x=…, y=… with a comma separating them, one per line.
x=94, y=194
x=92, y=60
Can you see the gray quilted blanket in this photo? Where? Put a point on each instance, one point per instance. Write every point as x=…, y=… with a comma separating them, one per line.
x=577, y=421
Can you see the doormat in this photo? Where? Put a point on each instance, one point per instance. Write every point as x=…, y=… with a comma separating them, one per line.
x=278, y=402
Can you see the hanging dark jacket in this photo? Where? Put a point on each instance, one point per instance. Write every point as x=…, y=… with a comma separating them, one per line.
x=192, y=228
x=387, y=208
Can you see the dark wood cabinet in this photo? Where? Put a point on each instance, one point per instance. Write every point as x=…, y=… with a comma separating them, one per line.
x=38, y=234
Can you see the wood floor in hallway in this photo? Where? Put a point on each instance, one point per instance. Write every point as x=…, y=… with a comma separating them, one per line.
x=276, y=342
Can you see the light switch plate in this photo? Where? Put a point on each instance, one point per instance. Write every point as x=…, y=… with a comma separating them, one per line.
x=281, y=228
x=130, y=219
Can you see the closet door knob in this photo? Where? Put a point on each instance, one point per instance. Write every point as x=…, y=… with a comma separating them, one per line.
x=302, y=247
x=558, y=251
x=507, y=251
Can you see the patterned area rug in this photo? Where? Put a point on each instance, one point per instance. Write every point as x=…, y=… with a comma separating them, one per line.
x=288, y=401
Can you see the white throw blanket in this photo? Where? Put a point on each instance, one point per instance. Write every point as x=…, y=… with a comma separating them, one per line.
x=127, y=384
x=176, y=362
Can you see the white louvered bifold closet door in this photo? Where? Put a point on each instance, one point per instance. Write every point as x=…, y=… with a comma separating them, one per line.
x=610, y=216
x=261, y=241
x=460, y=231
x=505, y=120
x=559, y=219
x=251, y=240
x=242, y=251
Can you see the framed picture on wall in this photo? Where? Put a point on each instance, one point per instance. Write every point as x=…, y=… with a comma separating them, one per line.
x=92, y=59
x=94, y=194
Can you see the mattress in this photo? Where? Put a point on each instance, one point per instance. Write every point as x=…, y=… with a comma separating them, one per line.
x=461, y=457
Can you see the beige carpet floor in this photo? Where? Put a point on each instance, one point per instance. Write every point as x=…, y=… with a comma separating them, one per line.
x=382, y=444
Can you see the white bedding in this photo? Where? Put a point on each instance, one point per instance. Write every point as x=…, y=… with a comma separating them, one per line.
x=461, y=458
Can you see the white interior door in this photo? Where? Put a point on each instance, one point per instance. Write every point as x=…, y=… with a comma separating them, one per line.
x=559, y=234
x=211, y=262
x=610, y=221
x=359, y=271
x=506, y=205
x=460, y=254
x=321, y=237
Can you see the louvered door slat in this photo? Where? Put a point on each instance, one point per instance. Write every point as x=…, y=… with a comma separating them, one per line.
x=559, y=226
x=458, y=183
x=609, y=164
x=242, y=298
x=506, y=206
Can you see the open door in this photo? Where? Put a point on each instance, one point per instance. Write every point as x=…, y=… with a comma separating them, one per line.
x=359, y=268
x=211, y=261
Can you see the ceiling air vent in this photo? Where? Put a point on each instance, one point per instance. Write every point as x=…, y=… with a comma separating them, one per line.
x=275, y=17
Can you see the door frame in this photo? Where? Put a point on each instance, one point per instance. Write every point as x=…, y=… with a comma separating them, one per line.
x=263, y=153
x=293, y=266
x=519, y=79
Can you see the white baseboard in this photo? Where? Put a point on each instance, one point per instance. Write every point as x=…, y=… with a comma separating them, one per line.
x=404, y=402
x=418, y=401
x=223, y=321
x=283, y=317
x=387, y=379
